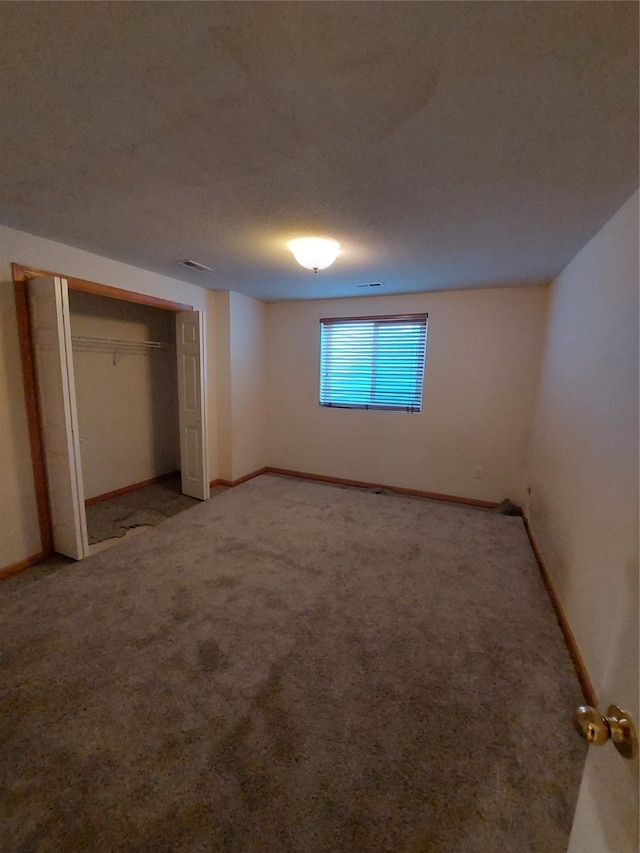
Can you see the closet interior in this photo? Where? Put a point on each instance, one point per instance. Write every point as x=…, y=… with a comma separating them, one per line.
x=126, y=385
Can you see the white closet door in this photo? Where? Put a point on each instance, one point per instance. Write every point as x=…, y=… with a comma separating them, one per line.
x=191, y=359
x=51, y=332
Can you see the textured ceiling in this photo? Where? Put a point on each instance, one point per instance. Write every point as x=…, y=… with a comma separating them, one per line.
x=445, y=145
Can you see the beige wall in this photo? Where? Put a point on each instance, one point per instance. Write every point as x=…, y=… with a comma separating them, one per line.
x=483, y=351
x=222, y=354
x=238, y=326
x=247, y=348
x=212, y=382
x=19, y=533
x=583, y=507
x=127, y=404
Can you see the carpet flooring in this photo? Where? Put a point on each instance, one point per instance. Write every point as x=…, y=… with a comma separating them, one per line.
x=291, y=667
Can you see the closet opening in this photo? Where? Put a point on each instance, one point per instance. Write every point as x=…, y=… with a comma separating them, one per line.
x=114, y=383
x=126, y=383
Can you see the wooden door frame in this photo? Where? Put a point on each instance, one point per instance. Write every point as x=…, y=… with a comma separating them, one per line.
x=21, y=275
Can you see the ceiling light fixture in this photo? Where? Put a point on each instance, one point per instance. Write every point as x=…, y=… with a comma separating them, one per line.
x=314, y=253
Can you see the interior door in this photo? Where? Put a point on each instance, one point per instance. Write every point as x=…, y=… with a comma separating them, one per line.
x=51, y=333
x=190, y=352
x=606, y=818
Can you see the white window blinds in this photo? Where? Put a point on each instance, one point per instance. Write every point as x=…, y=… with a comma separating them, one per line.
x=373, y=362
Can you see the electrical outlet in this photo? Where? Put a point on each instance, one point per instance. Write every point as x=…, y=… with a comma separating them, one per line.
x=477, y=472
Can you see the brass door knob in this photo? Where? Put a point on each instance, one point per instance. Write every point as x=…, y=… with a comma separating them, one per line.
x=616, y=726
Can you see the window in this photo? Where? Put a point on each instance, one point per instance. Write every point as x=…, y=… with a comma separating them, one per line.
x=373, y=362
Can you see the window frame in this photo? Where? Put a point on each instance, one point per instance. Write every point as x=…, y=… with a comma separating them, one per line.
x=325, y=322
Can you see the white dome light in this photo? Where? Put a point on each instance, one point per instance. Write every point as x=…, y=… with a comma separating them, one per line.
x=314, y=253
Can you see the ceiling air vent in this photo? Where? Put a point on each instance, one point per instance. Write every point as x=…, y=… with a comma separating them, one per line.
x=373, y=284
x=194, y=265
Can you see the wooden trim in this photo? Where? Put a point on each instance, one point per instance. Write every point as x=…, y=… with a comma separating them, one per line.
x=21, y=296
x=126, y=489
x=401, y=490
x=15, y=568
x=335, y=320
x=125, y=295
x=23, y=273
x=341, y=481
x=231, y=483
x=578, y=661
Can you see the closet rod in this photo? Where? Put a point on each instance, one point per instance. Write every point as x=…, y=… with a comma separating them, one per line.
x=118, y=343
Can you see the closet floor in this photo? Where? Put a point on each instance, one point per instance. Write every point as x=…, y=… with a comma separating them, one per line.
x=127, y=514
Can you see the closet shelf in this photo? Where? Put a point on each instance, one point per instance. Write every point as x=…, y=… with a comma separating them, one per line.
x=116, y=344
